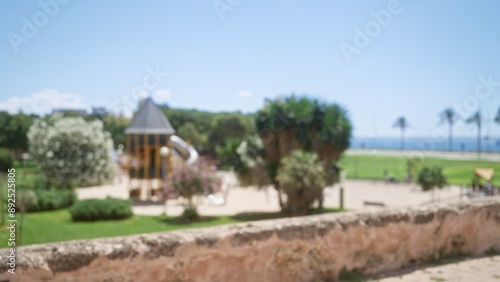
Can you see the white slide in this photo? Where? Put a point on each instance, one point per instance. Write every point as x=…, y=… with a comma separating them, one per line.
x=187, y=151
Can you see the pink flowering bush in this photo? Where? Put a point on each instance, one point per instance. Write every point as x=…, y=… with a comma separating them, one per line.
x=198, y=178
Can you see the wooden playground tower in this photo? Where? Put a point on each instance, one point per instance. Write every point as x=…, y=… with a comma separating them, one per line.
x=148, y=132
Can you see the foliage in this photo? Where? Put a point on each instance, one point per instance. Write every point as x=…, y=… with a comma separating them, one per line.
x=71, y=151
x=497, y=118
x=190, y=214
x=302, y=123
x=25, y=200
x=14, y=129
x=189, y=133
x=209, y=124
x=288, y=124
x=431, y=177
x=248, y=163
x=354, y=275
x=101, y=209
x=412, y=166
x=196, y=179
x=227, y=127
x=6, y=160
x=51, y=200
x=477, y=120
x=402, y=124
x=227, y=154
x=116, y=126
x=449, y=116
x=305, y=120
x=301, y=178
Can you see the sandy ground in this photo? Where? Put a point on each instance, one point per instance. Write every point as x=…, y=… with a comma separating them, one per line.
x=471, y=270
x=356, y=192
x=240, y=200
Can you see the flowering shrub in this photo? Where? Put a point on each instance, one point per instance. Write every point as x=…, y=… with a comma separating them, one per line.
x=198, y=178
x=71, y=151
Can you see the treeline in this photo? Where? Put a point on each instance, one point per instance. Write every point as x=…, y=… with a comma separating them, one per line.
x=206, y=131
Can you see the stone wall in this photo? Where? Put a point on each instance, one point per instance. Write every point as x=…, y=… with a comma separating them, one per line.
x=312, y=248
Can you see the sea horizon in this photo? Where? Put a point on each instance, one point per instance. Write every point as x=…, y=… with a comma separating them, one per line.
x=460, y=144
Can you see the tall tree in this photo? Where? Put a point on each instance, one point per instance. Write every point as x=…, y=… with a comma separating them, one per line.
x=497, y=118
x=449, y=116
x=477, y=120
x=189, y=133
x=402, y=124
x=286, y=125
x=226, y=127
x=14, y=130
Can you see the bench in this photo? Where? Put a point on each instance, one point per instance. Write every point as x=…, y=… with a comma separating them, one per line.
x=371, y=203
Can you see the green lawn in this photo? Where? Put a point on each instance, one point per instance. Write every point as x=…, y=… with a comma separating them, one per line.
x=458, y=172
x=53, y=226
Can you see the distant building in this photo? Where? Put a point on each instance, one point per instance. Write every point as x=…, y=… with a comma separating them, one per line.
x=78, y=112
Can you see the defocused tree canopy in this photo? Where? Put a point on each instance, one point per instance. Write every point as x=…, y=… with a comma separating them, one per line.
x=302, y=123
x=14, y=129
x=318, y=131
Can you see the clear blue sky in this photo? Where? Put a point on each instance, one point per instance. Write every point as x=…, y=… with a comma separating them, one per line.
x=94, y=53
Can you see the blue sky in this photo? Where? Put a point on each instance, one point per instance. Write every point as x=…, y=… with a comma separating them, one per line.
x=232, y=54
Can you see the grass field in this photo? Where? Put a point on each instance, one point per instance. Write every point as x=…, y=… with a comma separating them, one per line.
x=53, y=226
x=458, y=172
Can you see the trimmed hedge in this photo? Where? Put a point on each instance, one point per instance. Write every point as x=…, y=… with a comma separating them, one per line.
x=48, y=200
x=101, y=209
x=6, y=160
x=54, y=199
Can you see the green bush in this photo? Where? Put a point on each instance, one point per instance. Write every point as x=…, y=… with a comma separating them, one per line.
x=101, y=209
x=301, y=177
x=6, y=160
x=48, y=200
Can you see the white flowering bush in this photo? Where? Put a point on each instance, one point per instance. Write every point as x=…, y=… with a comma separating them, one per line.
x=71, y=151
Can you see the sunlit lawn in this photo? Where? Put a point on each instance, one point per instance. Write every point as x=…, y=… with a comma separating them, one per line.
x=458, y=172
x=52, y=226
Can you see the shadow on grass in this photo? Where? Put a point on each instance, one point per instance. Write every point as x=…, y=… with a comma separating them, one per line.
x=179, y=220
x=253, y=216
x=238, y=218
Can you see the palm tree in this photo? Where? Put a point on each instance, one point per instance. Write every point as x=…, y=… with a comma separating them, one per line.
x=449, y=116
x=477, y=120
x=402, y=124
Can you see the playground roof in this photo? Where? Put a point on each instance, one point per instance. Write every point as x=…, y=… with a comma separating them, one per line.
x=150, y=120
x=485, y=173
